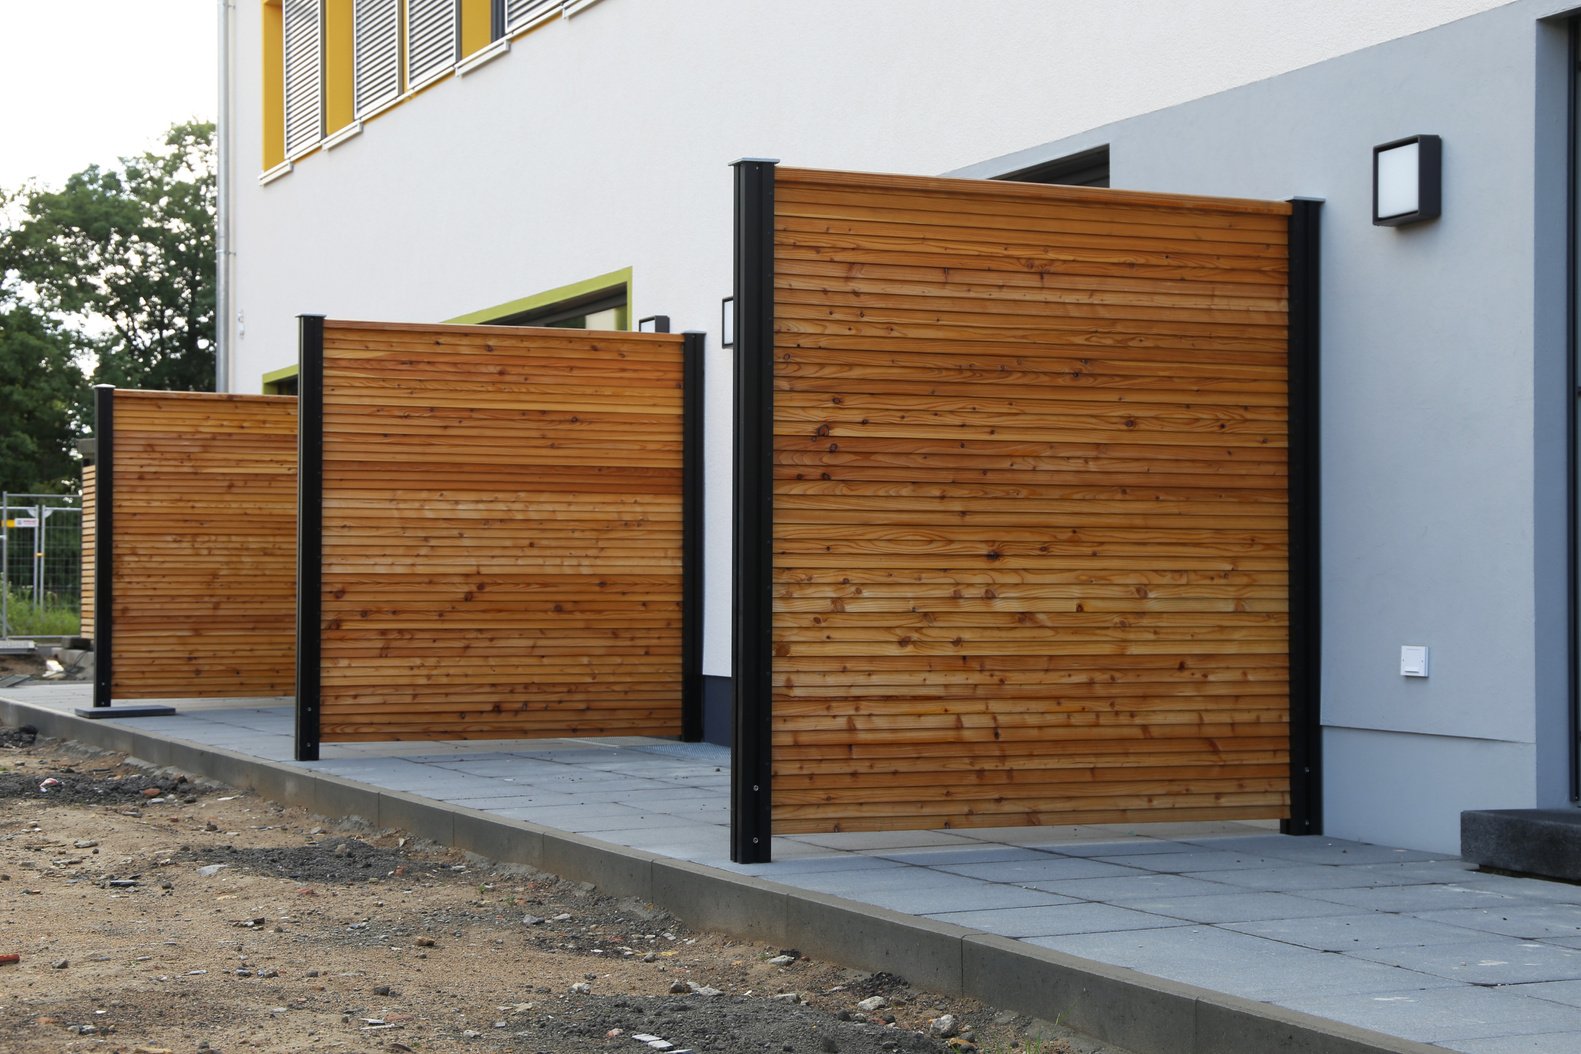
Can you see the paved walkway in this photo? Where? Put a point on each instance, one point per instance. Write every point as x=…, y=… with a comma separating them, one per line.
x=1412, y=945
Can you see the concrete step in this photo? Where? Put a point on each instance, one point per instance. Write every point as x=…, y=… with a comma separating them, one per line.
x=1545, y=842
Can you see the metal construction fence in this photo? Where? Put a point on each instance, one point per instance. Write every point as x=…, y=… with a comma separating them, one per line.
x=40, y=565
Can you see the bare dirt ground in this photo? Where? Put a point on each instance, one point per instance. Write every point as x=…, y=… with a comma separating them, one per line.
x=24, y=665
x=151, y=913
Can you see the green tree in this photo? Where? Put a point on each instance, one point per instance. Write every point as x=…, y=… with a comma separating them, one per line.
x=123, y=259
x=41, y=387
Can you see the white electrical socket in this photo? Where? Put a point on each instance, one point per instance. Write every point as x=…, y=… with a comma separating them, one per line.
x=1413, y=660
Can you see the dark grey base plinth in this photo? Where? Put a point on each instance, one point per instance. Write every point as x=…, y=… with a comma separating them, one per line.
x=99, y=712
x=1544, y=842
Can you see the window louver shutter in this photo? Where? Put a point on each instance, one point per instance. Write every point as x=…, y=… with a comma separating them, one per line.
x=377, y=38
x=433, y=38
x=304, y=74
x=518, y=12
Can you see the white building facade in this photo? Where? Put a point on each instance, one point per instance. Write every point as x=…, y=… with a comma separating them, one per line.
x=566, y=163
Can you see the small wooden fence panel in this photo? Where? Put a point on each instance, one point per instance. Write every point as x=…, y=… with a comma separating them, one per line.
x=1030, y=541
x=502, y=535
x=89, y=500
x=202, y=545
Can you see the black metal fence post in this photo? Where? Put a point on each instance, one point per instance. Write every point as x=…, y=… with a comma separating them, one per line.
x=692, y=348
x=103, y=541
x=1306, y=719
x=309, y=531
x=751, y=762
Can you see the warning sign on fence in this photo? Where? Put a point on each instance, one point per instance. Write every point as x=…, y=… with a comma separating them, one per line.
x=22, y=521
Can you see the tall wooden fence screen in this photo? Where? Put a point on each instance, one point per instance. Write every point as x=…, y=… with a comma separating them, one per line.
x=85, y=606
x=1030, y=556
x=193, y=544
x=501, y=534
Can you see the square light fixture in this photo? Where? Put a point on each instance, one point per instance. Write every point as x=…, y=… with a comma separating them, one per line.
x=654, y=324
x=1407, y=180
x=727, y=322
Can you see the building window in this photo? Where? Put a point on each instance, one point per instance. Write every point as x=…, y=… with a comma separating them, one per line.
x=520, y=13
x=1090, y=168
x=304, y=74
x=329, y=65
x=598, y=303
x=281, y=381
x=433, y=39
x=482, y=23
x=273, y=88
x=605, y=309
x=376, y=48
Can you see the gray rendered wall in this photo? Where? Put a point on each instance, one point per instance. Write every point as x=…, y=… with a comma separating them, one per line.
x=1444, y=402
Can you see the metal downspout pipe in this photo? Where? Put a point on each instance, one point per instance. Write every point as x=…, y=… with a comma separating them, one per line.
x=222, y=219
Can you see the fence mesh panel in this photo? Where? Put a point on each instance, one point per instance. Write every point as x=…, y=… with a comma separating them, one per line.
x=40, y=565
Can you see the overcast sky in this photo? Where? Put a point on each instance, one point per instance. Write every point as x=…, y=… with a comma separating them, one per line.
x=89, y=81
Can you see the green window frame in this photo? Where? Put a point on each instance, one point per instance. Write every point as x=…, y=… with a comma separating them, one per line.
x=606, y=298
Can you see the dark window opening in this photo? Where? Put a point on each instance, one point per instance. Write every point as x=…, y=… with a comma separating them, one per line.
x=1090, y=168
x=605, y=309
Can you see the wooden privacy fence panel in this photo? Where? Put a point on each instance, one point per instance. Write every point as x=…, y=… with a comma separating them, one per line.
x=502, y=533
x=89, y=506
x=195, y=541
x=1030, y=549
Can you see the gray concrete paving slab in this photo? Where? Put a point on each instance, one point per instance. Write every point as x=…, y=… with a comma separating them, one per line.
x=1131, y=889
x=812, y=860
x=581, y=819
x=1566, y=992
x=681, y=841
x=959, y=855
x=1545, y=1043
x=1252, y=967
x=1048, y=869
x=1106, y=848
x=873, y=841
x=518, y=800
x=1195, y=831
x=1418, y=872
x=1446, y=1015
x=1189, y=859
x=457, y=759
x=855, y=883
x=1327, y=850
x=1061, y=834
x=1530, y=921
x=1031, y=922
x=955, y=893
x=384, y=771
x=1504, y=960
x=1338, y=933
x=1526, y=888
x=1296, y=877
x=1245, y=906
x=1414, y=898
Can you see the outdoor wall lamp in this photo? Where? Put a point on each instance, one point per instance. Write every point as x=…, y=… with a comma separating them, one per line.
x=727, y=322
x=1407, y=179
x=654, y=324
